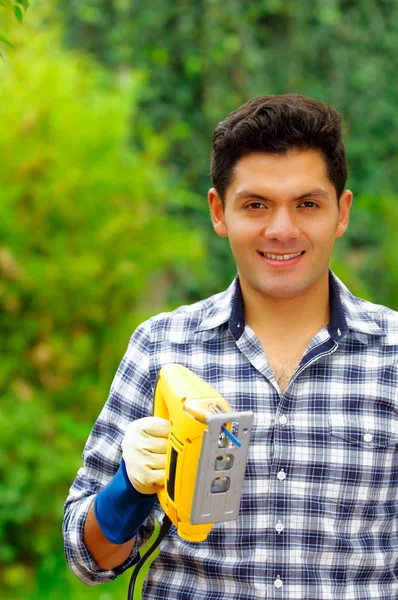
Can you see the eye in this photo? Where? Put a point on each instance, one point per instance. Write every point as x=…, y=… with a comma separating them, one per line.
x=309, y=204
x=255, y=206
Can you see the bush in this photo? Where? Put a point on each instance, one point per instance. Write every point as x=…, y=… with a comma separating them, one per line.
x=89, y=247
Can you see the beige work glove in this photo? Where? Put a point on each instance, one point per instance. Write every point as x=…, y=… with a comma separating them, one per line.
x=144, y=451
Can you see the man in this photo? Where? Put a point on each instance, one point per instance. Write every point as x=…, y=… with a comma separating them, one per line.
x=318, y=367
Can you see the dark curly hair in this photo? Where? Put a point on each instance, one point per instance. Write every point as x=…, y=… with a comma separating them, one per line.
x=276, y=124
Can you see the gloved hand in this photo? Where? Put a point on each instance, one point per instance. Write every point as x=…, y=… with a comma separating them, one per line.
x=144, y=451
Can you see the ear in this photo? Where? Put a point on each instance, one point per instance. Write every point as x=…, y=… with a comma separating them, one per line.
x=344, y=212
x=217, y=213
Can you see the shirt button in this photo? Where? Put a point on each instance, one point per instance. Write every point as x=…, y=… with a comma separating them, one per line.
x=278, y=582
x=283, y=420
x=281, y=475
x=368, y=437
x=279, y=526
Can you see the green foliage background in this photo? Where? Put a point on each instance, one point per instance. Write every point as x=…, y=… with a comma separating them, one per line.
x=106, y=114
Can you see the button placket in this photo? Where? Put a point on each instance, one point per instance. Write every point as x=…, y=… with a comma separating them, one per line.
x=282, y=419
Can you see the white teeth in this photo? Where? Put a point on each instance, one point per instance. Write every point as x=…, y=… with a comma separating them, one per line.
x=281, y=256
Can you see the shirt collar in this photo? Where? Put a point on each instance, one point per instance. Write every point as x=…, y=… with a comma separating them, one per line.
x=337, y=326
x=359, y=316
x=347, y=312
x=221, y=309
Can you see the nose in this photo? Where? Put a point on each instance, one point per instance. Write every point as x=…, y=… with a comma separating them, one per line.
x=281, y=226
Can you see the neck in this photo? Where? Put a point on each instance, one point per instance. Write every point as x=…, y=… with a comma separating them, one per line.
x=304, y=314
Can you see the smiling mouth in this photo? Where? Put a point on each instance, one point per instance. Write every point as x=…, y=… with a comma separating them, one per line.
x=280, y=256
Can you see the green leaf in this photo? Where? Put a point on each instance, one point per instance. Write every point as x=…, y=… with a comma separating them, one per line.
x=5, y=41
x=18, y=12
x=25, y=3
x=6, y=3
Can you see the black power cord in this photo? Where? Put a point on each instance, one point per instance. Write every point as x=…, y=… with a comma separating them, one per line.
x=166, y=524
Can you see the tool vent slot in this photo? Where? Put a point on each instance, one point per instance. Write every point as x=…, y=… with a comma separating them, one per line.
x=172, y=474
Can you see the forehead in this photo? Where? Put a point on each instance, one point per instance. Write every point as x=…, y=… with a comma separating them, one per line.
x=280, y=173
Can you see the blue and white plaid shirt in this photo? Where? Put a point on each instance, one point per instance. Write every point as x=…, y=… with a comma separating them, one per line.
x=318, y=517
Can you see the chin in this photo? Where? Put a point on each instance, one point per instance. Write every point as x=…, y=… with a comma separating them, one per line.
x=282, y=292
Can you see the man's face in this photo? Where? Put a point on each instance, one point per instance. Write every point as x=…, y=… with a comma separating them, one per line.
x=281, y=217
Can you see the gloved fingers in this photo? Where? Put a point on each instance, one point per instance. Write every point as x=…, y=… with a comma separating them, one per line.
x=151, y=427
x=146, y=480
x=155, y=427
x=158, y=476
x=139, y=442
x=144, y=449
x=153, y=445
x=149, y=433
x=153, y=461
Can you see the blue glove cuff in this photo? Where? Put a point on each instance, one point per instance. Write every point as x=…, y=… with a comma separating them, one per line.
x=120, y=509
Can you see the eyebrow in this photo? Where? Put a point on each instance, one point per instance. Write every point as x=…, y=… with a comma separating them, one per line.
x=314, y=193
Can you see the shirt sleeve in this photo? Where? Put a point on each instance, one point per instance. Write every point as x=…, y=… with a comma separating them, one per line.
x=130, y=398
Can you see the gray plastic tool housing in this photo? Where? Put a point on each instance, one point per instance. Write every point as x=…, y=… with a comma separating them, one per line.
x=215, y=507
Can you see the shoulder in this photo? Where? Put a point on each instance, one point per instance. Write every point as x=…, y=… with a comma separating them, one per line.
x=184, y=323
x=386, y=318
x=367, y=317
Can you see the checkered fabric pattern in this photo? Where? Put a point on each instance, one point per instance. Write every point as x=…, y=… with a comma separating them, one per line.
x=318, y=517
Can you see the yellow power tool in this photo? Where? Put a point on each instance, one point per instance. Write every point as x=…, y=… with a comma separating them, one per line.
x=207, y=452
x=205, y=463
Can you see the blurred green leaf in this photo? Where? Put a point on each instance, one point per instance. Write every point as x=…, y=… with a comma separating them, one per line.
x=18, y=12
x=6, y=3
x=6, y=41
x=25, y=3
